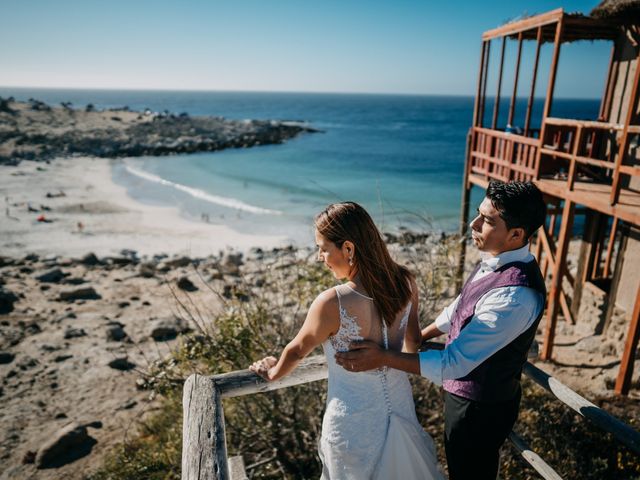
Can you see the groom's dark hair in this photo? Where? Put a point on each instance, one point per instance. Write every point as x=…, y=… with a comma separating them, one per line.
x=520, y=204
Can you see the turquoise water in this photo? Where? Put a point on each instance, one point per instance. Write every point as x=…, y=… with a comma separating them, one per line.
x=400, y=156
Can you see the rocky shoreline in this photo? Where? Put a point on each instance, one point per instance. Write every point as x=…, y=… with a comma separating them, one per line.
x=34, y=130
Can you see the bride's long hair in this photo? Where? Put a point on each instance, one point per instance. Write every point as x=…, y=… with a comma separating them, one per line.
x=383, y=279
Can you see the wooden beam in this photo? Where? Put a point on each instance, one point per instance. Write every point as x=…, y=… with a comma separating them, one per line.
x=524, y=25
x=624, y=141
x=204, y=444
x=612, y=241
x=533, y=459
x=553, y=298
x=612, y=294
x=464, y=212
x=623, y=382
x=527, y=121
x=599, y=417
x=496, y=106
x=476, y=106
x=484, y=84
x=609, y=86
x=512, y=105
x=245, y=382
x=577, y=140
x=584, y=260
x=553, y=72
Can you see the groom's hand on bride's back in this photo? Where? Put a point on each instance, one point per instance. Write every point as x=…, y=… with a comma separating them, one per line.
x=362, y=355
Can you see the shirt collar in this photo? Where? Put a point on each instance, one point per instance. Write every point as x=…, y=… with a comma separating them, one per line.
x=491, y=263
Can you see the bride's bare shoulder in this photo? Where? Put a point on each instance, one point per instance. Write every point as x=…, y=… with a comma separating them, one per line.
x=327, y=301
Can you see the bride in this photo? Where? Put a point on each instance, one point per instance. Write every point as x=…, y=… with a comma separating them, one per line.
x=369, y=429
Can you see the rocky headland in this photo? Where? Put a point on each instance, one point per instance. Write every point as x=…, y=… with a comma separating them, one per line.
x=34, y=130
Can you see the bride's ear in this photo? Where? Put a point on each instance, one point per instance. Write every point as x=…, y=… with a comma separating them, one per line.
x=348, y=250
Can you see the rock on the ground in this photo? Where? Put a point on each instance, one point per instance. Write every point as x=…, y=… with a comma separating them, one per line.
x=54, y=275
x=87, y=293
x=90, y=259
x=185, y=284
x=178, y=262
x=115, y=332
x=147, y=269
x=121, y=363
x=6, y=357
x=66, y=445
x=74, y=333
x=7, y=299
x=167, y=328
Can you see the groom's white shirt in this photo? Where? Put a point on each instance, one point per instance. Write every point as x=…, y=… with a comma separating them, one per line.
x=501, y=315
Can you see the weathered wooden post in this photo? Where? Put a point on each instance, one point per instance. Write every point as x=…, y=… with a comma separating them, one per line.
x=204, y=448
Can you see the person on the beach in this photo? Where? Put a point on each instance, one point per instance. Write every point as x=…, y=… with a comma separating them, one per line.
x=490, y=327
x=370, y=429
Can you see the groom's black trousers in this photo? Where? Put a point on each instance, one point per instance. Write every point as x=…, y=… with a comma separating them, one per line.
x=474, y=433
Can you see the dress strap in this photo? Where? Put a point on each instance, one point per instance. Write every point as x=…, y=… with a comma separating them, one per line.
x=385, y=335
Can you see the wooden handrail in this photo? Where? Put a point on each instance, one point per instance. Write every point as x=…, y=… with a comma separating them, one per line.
x=620, y=430
x=204, y=449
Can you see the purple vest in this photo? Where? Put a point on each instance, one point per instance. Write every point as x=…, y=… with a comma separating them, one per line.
x=498, y=377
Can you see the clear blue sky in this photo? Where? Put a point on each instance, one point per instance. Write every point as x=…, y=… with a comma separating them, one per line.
x=394, y=46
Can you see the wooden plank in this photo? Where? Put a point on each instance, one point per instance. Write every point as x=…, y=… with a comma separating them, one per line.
x=553, y=71
x=464, y=214
x=533, y=459
x=527, y=121
x=484, y=86
x=524, y=25
x=512, y=104
x=623, y=382
x=476, y=106
x=596, y=197
x=204, y=449
x=509, y=136
x=237, y=469
x=612, y=241
x=245, y=382
x=630, y=170
x=577, y=140
x=496, y=106
x=607, y=422
x=566, y=311
x=503, y=163
x=608, y=86
x=569, y=122
x=584, y=261
x=556, y=278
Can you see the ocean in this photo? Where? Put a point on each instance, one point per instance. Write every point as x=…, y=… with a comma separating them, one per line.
x=400, y=156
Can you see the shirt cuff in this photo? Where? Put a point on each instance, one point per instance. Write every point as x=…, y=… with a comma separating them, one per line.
x=431, y=365
x=442, y=322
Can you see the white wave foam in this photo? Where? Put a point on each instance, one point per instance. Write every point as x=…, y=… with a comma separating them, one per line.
x=202, y=195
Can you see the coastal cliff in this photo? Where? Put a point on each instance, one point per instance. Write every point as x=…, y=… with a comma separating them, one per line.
x=34, y=130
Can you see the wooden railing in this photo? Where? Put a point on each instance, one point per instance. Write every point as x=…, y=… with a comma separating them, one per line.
x=572, y=150
x=204, y=446
x=502, y=156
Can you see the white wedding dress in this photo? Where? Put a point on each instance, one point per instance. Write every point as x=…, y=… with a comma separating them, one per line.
x=370, y=429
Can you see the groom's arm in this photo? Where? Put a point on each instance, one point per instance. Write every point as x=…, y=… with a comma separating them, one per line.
x=367, y=355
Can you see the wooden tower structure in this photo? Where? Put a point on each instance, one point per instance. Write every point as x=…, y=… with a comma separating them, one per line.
x=588, y=169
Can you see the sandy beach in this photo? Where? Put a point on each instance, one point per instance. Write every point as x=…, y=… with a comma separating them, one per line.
x=85, y=211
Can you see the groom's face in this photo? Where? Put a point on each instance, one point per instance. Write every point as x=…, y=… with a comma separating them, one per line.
x=489, y=232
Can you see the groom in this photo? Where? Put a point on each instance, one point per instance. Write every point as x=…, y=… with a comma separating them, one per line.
x=489, y=327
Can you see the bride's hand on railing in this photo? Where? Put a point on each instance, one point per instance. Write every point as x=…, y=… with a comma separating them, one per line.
x=262, y=367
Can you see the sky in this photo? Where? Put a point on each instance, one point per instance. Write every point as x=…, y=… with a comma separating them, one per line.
x=360, y=46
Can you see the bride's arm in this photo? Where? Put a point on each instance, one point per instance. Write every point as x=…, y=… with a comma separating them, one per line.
x=413, y=336
x=322, y=321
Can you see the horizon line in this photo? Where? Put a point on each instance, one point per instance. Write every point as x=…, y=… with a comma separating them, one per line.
x=309, y=92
